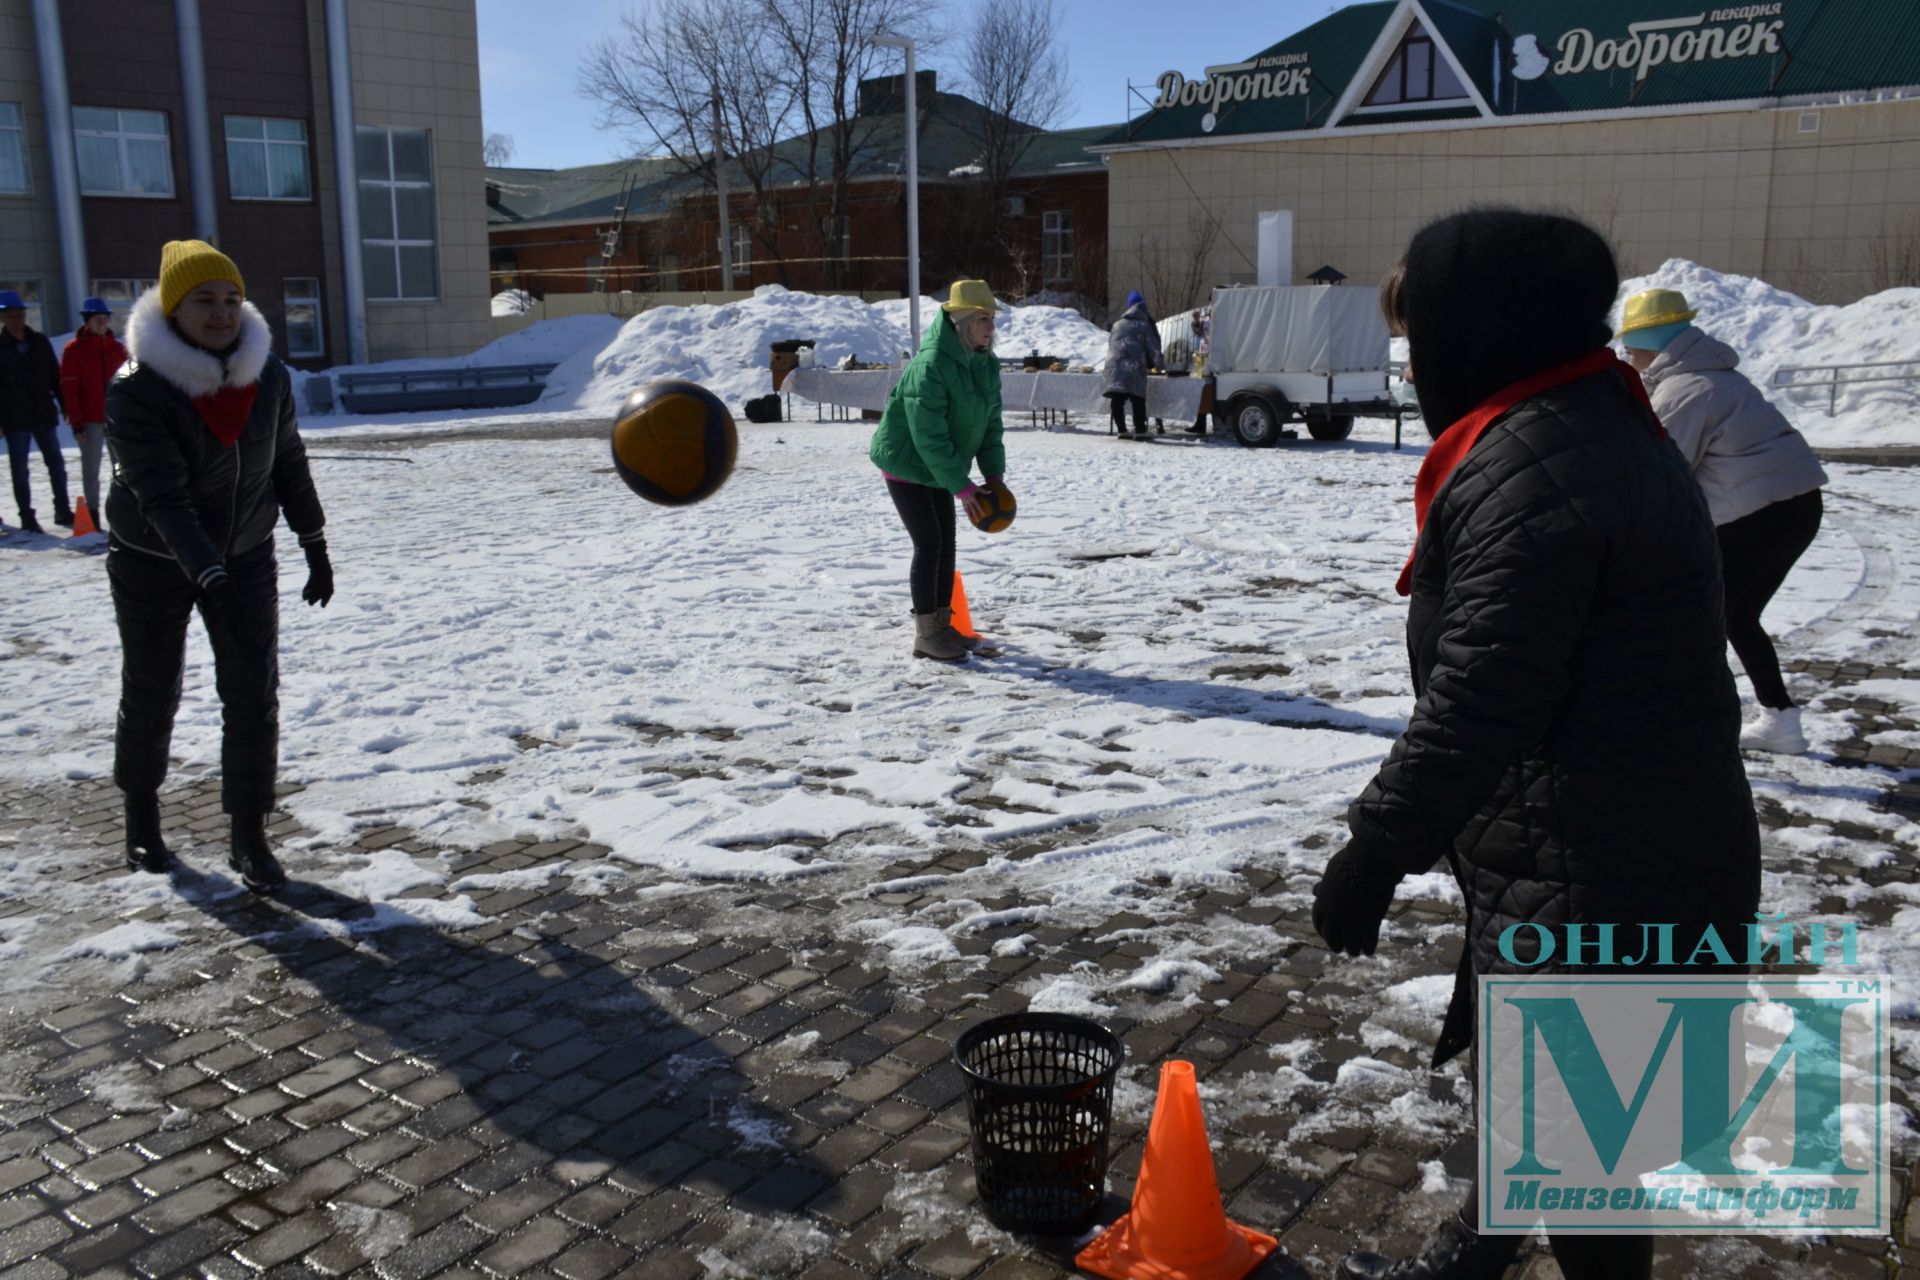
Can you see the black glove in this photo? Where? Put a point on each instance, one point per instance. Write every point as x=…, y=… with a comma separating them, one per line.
x=224, y=609
x=319, y=588
x=1352, y=899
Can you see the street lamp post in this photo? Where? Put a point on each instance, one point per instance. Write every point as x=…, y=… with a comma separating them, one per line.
x=887, y=40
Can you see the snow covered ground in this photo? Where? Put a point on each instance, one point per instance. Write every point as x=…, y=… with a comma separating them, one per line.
x=1202, y=662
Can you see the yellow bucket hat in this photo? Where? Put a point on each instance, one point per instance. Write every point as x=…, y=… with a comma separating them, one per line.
x=970, y=295
x=1653, y=307
x=185, y=265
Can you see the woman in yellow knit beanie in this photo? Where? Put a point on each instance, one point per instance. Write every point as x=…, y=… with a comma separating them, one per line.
x=206, y=457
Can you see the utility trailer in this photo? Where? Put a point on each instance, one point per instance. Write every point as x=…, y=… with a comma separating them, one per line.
x=1310, y=354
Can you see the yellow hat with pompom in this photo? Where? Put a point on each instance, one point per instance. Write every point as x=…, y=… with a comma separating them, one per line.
x=185, y=265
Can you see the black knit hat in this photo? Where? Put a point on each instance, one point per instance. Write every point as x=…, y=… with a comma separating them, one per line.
x=1496, y=295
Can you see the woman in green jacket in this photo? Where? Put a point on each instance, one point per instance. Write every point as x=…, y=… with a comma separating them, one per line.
x=944, y=414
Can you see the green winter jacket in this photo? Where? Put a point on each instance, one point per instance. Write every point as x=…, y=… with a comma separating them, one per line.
x=943, y=413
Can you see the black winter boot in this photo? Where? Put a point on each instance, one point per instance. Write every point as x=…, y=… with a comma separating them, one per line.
x=1456, y=1252
x=28, y=524
x=63, y=515
x=146, y=850
x=259, y=869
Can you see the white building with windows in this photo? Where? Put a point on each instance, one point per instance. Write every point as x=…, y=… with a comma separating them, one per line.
x=1778, y=139
x=361, y=232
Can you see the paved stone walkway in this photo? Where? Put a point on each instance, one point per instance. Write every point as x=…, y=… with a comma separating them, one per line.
x=646, y=1085
x=664, y=1085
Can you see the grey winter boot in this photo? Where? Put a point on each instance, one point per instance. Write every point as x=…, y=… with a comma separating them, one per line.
x=946, y=620
x=932, y=638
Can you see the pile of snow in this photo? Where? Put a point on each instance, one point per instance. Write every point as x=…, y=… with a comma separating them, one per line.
x=1771, y=328
x=512, y=302
x=722, y=347
x=725, y=347
x=1021, y=329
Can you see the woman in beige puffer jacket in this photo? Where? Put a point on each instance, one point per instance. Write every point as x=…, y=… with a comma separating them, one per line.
x=1761, y=480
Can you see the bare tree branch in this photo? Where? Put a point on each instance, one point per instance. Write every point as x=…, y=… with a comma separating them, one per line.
x=1173, y=274
x=658, y=76
x=1013, y=66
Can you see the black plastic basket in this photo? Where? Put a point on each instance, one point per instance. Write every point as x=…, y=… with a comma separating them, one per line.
x=1040, y=1099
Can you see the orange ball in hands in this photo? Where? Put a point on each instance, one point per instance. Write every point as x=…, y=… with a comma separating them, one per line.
x=995, y=509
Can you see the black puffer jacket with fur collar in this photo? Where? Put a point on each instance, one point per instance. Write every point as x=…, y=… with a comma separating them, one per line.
x=179, y=493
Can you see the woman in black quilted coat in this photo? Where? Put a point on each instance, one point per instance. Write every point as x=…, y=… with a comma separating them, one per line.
x=1573, y=753
x=207, y=458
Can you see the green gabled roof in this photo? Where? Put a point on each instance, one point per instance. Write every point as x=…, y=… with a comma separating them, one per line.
x=1064, y=151
x=1831, y=47
x=1472, y=35
x=1510, y=50
x=585, y=192
x=1335, y=47
x=949, y=140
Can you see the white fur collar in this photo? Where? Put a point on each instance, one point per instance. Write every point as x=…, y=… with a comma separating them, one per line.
x=152, y=342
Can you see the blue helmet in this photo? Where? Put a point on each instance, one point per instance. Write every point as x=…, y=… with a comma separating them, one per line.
x=10, y=301
x=95, y=307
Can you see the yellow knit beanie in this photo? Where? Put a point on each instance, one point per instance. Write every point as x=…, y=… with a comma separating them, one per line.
x=185, y=265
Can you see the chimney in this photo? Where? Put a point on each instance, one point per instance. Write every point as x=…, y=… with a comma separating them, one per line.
x=887, y=95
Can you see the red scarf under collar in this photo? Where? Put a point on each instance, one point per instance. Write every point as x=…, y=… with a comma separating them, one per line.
x=1457, y=441
x=226, y=411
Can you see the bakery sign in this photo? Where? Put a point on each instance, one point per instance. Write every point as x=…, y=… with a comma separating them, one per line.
x=1281, y=75
x=1712, y=35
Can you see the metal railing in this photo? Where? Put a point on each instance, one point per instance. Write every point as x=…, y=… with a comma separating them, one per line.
x=1835, y=376
x=445, y=387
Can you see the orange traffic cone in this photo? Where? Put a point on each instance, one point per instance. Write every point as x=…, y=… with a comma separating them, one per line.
x=83, y=520
x=1177, y=1228
x=962, y=616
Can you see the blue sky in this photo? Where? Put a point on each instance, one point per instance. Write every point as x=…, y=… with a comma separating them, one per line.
x=530, y=53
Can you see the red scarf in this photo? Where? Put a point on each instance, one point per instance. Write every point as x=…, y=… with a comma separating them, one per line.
x=1457, y=441
x=226, y=411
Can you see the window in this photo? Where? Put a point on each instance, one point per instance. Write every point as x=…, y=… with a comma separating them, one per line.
x=1056, y=246
x=267, y=159
x=844, y=249
x=305, y=337
x=596, y=273
x=742, y=246
x=29, y=291
x=13, y=150
x=666, y=272
x=122, y=153
x=1418, y=73
x=119, y=295
x=396, y=213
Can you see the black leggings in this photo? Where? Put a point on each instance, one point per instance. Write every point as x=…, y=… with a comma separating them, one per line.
x=928, y=514
x=1756, y=553
x=1118, y=407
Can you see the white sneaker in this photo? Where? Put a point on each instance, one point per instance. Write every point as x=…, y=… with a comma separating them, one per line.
x=1775, y=730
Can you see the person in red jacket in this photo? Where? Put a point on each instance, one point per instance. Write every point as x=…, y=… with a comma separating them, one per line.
x=86, y=367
